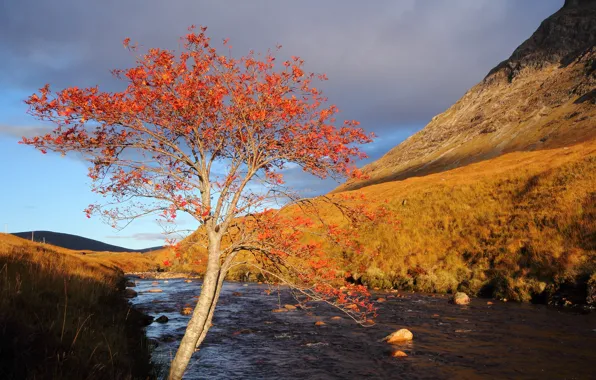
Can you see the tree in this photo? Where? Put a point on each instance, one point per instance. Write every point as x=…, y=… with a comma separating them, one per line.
x=209, y=135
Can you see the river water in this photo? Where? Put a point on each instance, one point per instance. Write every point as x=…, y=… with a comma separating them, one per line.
x=478, y=341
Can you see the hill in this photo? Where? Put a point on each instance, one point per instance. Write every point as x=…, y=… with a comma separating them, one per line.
x=62, y=315
x=75, y=242
x=521, y=226
x=542, y=97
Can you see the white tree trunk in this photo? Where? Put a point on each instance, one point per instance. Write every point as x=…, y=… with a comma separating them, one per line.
x=199, y=322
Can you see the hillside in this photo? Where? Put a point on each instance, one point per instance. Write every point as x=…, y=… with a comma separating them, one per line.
x=521, y=226
x=62, y=315
x=542, y=97
x=75, y=242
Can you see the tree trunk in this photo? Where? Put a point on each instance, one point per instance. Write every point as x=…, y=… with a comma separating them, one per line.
x=222, y=275
x=198, y=323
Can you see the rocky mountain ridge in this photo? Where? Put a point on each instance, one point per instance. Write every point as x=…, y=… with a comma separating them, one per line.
x=542, y=97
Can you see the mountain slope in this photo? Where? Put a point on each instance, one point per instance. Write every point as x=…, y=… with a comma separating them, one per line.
x=542, y=97
x=75, y=242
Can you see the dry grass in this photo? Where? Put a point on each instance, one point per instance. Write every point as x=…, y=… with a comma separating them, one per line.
x=514, y=226
x=62, y=317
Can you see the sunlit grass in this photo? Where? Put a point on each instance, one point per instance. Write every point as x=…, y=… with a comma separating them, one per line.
x=62, y=317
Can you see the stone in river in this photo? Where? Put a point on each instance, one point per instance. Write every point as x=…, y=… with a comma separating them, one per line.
x=162, y=319
x=399, y=354
x=129, y=293
x=460, y=298
x=400, y=336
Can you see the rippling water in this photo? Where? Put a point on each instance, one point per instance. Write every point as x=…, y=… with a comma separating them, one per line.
x=478, y=341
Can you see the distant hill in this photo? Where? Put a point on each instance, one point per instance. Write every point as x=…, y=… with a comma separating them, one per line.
x=542, y=97
x=75, y=242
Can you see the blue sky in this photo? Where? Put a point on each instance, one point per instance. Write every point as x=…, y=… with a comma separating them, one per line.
x=392, y=66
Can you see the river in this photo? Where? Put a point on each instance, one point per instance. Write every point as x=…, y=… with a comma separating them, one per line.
x=477, y=341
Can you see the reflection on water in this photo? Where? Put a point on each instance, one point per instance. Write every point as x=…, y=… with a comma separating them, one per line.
x=478, y=341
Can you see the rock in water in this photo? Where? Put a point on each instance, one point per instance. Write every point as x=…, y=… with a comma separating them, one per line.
x=155, y=290
x=400, y=336
x=320, y=323
x=290, y=307
x=130, y=284
x=399, y=354
x=129, y=293
x=460, y=298
x=162, y=319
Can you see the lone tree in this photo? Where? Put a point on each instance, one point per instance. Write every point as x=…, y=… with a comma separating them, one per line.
x=205, y=134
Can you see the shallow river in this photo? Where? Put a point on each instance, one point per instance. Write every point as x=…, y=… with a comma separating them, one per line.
x=478, y=341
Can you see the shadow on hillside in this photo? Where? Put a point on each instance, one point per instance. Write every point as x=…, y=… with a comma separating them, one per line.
x=59, y=325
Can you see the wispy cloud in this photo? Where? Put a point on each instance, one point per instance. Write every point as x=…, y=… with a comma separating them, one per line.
x=20, y=131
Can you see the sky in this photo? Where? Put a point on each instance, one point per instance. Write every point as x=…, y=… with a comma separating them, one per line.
x=392, y=65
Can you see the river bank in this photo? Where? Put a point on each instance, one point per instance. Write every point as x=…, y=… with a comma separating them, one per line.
x=62, y=316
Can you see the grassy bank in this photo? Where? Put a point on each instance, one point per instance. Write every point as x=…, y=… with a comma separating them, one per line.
x=62, y=316
x=521, y=226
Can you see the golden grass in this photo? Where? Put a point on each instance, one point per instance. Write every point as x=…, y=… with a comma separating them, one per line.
x=518, y=226
x=512, y=227
x=62, y=317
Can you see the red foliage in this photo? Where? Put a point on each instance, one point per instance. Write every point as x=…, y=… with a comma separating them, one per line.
x=153, y=147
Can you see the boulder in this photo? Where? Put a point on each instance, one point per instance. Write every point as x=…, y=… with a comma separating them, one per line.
x=320, y=323
x=399, y=354
x=154, y=290
x=129, y=293
x=460, y=298
x=130, y=284
x=162, y=319
x=400, y=336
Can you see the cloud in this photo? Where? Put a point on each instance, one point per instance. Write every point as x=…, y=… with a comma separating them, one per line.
x=19, y=132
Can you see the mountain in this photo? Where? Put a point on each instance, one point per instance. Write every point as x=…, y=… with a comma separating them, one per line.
x=74, y=242
x=542, y=97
